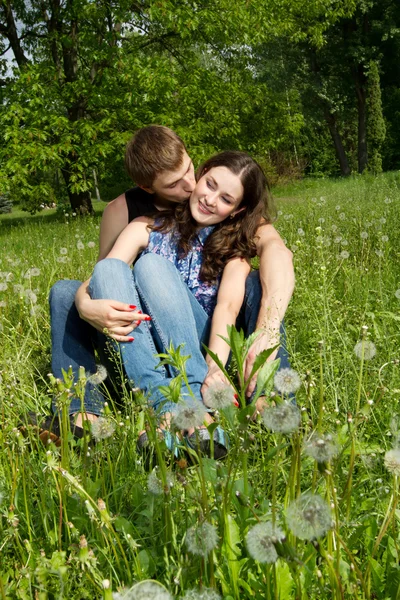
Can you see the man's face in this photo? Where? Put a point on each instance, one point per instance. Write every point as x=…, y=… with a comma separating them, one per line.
x=175, y=186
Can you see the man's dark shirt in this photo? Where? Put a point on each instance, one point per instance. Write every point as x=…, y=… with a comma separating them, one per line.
x=139, y=203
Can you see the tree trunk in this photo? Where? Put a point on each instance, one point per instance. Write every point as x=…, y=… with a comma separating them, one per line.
x=81, y=202
x=361, y=91
x=337, y=141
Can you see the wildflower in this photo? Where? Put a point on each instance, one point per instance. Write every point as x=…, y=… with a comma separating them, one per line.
x=80, y=245
x=18, y=288
x=385, y=238
x=62, y=259
x=309, y=517
x=201, y=539
x=218, y=396
x=91, y=244
x=344, y=254
x=144, y=590
x=155, y=485
x=300, y=231
x=188, y=414
x=366, y=348
x=33, y=272
x=338, y=239
x=203, y=594
x=287, y=381
x=364, y=235
x=30, y=297
x=3, y=287
x=63, y=251
x=98, y=377
x=380, y=253
x=102, y=428
x=392, y=461
x=397, y=294
x=282, y=418
x=382, y=220
x=261, y=540
x=321, y=447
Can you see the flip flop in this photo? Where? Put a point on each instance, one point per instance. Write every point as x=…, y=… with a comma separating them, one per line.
x=200, y=440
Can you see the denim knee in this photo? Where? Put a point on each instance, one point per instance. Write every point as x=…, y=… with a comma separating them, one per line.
x=63, y=292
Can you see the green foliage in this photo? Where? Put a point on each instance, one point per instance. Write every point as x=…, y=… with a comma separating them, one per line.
x=376, y=122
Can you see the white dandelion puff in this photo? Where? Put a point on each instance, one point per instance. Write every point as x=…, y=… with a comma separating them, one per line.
x=63, y=251
x=218, y=396
x=3, y=287
x=337, y=207
x=80, y=245
x=387, y=200
x=102, y=428
x=282, y=418
x=344, y=255
x=201, y=539
x=321, y=447
x=392, y=461
x=144, y=590
x=338, y=239
x=33, y=272
x=309, y=517
x=385, y=238
x=397, y=294
x=344, y=243
x=98, y=377
x=380, y=253
x=18, y=288
x=364, y=235
x=342, y=216
x=91, y=244
x=62, y=259
x=300, y=231
x=203, y=594
x=30, y=297
x=367, y=347
x=261, y=540
x=3, y=304
x=382, y=220
x=188, y=414
x=155, y=485
x=287, y=381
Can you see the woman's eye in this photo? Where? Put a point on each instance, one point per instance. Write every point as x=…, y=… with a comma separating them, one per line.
x=227, y=200
x=210, y=184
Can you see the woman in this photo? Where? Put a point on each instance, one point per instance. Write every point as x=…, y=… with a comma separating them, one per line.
x=193, y=266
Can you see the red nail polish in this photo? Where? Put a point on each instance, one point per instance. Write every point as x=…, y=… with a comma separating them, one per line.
x=235, y=396
x=138, y=323
x=130, y=339
x=140, y=312
x=147, y=319
x=236, y=403
x=133, y=306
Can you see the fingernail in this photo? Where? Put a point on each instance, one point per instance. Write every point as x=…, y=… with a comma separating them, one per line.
x=235, y=396
x=138, y=323
x=130, y=339
x=147, y=319
x=133, y=306
x=236, y=403
x=140, y=312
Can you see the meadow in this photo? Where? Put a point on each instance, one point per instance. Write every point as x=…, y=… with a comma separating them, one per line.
x=305, y=505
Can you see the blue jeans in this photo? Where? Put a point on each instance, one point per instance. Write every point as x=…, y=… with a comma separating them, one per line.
x=73, y=338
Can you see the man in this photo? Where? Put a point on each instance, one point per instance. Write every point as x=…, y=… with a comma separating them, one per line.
x=157, y=160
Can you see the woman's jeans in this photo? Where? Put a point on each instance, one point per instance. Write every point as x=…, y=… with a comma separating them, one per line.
x=157, y=289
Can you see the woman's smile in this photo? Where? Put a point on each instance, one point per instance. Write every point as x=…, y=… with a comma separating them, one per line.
x=203, y=209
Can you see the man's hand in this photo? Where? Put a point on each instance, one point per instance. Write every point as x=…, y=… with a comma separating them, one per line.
x=263, y=342
x=115, y=319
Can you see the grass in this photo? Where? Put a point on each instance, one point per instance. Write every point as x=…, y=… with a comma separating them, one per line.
x=81, y=522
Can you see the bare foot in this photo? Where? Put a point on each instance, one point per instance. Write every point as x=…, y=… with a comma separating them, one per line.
x=88, y=417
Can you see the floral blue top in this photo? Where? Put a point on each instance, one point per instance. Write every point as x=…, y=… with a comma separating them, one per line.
x=166, y=244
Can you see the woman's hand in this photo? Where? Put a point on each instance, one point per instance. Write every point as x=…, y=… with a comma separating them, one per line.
x=215, y=377
x=115, y=319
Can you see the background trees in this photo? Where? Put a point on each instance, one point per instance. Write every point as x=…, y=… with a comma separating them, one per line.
x=306, y=86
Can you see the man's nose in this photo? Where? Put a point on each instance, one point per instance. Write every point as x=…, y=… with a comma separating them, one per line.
x=189, y=183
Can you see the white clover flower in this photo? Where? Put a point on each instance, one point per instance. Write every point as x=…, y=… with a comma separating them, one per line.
x=102, y=428
x=392, y=461
x=63, y=251
x=364, y=235
x=397, y=294
x=98, y=377
x=282, y=418
x=261, y=540
x=344, y=255
x=367, y=347
x=91, y=244
x=385, y=238
x=201, y=539
x=188, y=414
x=287, y=381
x=18, y=288
x=155, y=485
x=300, y=231
x=203, y=594
x=218, y=396
x=321, y=447
x=309, y=517
x=3, y=287
x=144, y=590
x=80, y=245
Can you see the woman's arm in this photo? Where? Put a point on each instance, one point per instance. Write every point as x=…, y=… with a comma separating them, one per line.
x=230, y=299
x=113, y=315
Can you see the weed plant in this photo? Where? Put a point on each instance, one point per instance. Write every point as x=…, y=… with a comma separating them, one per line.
x=305, y=505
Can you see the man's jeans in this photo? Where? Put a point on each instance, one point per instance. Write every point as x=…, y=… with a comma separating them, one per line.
x=156, y=288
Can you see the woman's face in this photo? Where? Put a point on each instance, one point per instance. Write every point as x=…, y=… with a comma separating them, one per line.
x=217, y=195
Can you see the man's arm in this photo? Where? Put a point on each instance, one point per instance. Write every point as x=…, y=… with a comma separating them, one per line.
x=277, y=284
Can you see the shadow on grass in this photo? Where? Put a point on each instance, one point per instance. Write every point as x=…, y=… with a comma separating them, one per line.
x=19, y=217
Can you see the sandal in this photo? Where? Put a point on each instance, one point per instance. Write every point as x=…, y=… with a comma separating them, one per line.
x=200, y=440
x=50, y=428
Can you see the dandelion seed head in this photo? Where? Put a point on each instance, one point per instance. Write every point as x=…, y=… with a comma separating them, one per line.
x=344, y=243
x=344, y=255
x=218, y=396
x=80, y=245
x=338, y=239
x=201, y=539
x=342, y=216
x=337, y=207
x=309, y=517
x=155, y=485
x=364, y=235
x=18, y=288
x=287, y=381
x=3, y=287
x=144, y=590
x=203, y=594
x=321, y=447
x=63, y=251
x=321, y=220
x=30, y=297
x=392, y=461
x=98, y=377
x=282, y=418
x=188, y=414
x=379, y=253
x=62, y=259
x=369, y=349
x=387, y=200
x=261, y=540
x=397, y=294
x=385, y=238
x=102, y=428
x=91, y=244
x=300, y=231
x=382, y=220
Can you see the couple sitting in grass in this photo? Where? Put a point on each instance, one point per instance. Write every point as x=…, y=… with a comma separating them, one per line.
x=194, y=237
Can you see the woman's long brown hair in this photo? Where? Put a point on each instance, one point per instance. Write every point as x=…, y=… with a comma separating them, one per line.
x=234, y=237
